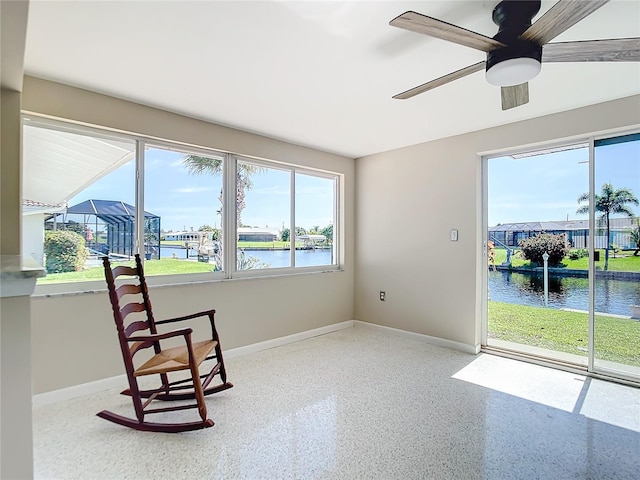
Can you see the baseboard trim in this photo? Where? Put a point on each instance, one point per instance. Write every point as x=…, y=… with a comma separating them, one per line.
x=80, y=390
x=442, y=342
x=120, y=381
x=278, y=342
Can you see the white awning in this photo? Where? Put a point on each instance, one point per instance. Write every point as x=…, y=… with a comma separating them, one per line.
x=57, y=165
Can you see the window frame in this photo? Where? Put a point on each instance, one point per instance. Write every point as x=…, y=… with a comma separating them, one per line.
x=592, y=365
x=292, y=269
x=177, y=148
x=228, y=220
x=336, y=220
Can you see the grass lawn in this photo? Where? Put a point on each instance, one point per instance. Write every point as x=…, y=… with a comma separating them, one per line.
x=626, y=263
x=164, y=266
x=617, y=340
x=243, y=244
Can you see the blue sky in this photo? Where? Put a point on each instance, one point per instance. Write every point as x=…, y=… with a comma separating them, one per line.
x=185, y=200
x=546, y=187
x=538, y=188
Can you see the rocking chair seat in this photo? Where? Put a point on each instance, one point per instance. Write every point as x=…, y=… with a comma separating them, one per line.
x=175, y=359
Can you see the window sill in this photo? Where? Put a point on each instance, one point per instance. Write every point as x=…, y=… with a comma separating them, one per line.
x=163, y=281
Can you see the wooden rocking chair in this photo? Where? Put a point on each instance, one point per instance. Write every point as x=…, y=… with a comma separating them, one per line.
x=140, y=334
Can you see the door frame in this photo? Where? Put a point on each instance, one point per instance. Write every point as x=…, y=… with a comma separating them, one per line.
x=592, y=368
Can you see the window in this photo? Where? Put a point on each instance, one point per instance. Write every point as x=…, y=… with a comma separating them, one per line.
x=263, y=213
x=184, y=192
x=193, y=213
x=267, y=202
x=78, y=200
x=314, y=220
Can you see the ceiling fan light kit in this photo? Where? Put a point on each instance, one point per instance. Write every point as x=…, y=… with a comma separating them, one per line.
x=515, y=53
x=514, y=64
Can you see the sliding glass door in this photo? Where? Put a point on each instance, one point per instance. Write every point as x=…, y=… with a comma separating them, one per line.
x=531, y=211
x=562, y=252
x=616, y=195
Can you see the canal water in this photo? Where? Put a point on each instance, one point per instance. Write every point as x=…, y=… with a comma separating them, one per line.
x=272, y=258
x=612, y=296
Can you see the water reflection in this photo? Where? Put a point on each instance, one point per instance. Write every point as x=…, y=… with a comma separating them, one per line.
x=272, y=258
x=612, y=296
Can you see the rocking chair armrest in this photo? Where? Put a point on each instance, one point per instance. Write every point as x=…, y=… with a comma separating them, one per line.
x=205, y=313
x=208, y=313
x=185, y=332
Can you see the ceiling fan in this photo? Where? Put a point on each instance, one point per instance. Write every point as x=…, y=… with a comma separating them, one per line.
x=515, y=54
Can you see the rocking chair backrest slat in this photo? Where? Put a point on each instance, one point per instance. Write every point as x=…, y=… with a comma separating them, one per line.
x=122, y=270
x=128, y=289
x=132, y=308
x=145, y=298
x=135, y=327
x=126, y=299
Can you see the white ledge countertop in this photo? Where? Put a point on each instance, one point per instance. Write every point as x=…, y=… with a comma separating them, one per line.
x=15, y=266
x=18, y=275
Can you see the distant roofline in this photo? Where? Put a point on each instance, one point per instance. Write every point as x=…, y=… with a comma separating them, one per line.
x=576, y=224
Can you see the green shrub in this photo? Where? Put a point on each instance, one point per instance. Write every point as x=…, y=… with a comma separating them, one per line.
x=555, y=245
x=65, y=251
x=578, y=254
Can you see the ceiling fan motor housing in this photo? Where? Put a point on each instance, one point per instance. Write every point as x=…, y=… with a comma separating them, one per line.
x=513, y=18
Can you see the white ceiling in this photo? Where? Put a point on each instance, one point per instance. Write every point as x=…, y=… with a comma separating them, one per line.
x=319, y=74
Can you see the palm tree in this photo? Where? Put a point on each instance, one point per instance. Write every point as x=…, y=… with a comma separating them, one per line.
x=213, y=166
x=610, y=201
x=206, y=165
x=635, y=236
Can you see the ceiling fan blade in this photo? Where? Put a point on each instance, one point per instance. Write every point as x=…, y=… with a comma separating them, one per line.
x=559, y=18
x=611, y=50
x=463, y=72
x=433, y=27
x=514, y=96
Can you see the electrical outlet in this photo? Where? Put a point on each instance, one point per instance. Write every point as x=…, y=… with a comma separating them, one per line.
x=454, y=235
x=383, y=295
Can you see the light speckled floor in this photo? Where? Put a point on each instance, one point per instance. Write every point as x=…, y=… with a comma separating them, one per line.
x=362, y=404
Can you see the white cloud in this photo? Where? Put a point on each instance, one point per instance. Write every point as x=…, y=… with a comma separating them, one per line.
x=193, y=189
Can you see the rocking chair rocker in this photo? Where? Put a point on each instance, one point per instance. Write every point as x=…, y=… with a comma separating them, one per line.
x=141, y=333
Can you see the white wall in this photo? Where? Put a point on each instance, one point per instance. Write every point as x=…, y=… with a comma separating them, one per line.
x=79, y=328
x=33, y=237
x=16, y=445
x=408, y=200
